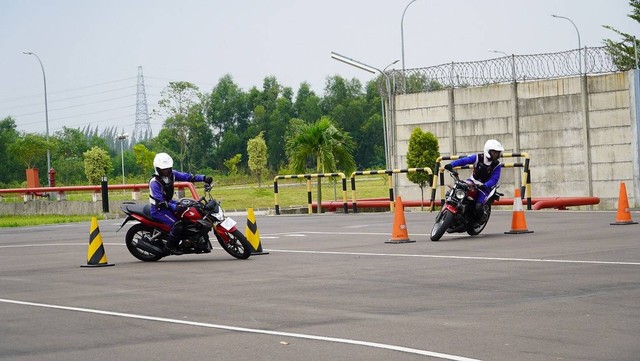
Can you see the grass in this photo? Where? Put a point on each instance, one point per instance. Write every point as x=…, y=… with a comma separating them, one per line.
x=291, y=192
x=35, y=220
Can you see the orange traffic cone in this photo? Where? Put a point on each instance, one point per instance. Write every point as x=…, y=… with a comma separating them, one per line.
x=399, y=233
x=518, y=223
x=96, y=256
x=623, y=216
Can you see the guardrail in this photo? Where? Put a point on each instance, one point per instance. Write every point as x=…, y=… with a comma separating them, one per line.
x=96, y=189
x=389, y=173
x=308, y=178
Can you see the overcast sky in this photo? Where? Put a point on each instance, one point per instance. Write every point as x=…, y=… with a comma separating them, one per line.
x=91, y=50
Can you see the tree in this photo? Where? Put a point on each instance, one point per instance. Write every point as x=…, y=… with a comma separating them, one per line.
x=8, y=135
x=97, y=164
x=232, y=164
x=324, y=143
x=307, y=104
x=257, y=151
x=623, y=52
x=68, y=156
x=29, y=147
x=144, y=158
x=226, y=109
x=423, y=152
x=182, y=102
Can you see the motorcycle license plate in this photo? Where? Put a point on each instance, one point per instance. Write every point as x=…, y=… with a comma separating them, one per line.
x=228, y=223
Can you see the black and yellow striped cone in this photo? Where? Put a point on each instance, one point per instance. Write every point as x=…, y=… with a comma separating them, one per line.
x=96, y=256
x=253, y=235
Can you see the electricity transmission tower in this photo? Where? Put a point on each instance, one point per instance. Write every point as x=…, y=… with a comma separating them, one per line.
x=142, y=129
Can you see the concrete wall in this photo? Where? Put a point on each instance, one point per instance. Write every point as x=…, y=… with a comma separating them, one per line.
x=581, y=133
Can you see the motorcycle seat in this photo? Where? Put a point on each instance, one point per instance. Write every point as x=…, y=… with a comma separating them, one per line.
x=140, y=209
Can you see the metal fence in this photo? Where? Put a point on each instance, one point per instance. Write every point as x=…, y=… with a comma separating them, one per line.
x=503, y=70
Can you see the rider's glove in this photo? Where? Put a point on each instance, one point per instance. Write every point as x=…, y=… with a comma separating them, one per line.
x=449, y=167
x=207, y=180
x=163, y=205
x=483, y=187
x=180, y=209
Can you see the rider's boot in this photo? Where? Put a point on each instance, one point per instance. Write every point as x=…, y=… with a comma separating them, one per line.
x=172, y=242
x=480, y=214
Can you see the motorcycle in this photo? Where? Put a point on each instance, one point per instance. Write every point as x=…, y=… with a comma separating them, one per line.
x=457, y=214
x=146, y=240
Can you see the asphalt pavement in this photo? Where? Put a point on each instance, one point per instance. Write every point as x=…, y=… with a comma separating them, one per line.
x=331, y=289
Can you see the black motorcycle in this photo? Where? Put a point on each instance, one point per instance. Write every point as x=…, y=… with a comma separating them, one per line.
x=458, y=212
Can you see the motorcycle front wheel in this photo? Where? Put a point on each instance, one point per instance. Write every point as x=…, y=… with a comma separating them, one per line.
x=237, y=245
x=443, y=221
x=134, y=234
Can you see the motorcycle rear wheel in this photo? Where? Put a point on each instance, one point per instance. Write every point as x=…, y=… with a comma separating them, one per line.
x=443, y=221
x=135, y=233
x=238, y=245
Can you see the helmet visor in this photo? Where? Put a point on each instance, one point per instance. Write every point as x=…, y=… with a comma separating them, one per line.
x=165, y=172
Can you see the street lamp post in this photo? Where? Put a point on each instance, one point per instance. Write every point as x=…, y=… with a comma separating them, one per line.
x=373, y=70
x=122, y=138
x=402, y=32
x=46, y=113
x=579, y=44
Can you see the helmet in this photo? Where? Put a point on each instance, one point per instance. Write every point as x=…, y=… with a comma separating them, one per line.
x=163, y=161
x=492, y=144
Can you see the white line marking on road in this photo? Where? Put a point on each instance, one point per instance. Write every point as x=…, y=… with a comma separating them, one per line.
x=455, y=257
x=248, y=330
x=476, y=258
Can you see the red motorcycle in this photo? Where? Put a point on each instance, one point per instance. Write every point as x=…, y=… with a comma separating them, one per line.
x=146, y=240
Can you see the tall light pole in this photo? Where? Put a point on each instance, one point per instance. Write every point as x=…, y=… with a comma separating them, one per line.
x=579, y=44
x=373, y=70
x=122, y=138
x=46, y=113
x=402, y=32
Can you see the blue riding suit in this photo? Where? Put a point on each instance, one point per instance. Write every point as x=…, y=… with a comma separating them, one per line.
x=487, y=173
x=163, y=206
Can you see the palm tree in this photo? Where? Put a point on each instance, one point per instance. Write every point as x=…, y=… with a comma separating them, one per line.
x=330, y=147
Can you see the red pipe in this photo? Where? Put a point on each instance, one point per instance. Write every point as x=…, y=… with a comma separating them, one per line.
x=537, y=203
x=563, y=202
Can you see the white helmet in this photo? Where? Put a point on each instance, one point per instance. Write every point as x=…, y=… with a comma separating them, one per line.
x=492, y=144
x=162, y=161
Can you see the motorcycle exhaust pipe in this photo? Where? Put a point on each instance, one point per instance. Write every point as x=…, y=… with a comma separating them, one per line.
x=148, y=247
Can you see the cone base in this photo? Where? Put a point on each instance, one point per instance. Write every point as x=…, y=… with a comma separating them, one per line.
x=97, y=265
x=518, y=232
x=622, y=223
x=399, y=241
x=257, y=253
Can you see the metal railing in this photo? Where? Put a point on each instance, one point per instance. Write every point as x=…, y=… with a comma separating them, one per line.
x=27, y=193
x=502, y=70
x=308, y=177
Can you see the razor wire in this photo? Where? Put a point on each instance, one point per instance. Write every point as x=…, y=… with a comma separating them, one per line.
x=506, y=69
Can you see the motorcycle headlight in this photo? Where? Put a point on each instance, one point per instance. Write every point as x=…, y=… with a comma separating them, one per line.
x=459, y=194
